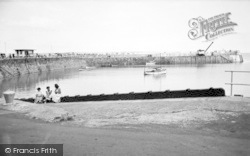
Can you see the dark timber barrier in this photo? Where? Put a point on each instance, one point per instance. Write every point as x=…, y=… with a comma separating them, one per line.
x=146, y=95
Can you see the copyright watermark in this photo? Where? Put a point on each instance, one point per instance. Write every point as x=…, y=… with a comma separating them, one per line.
x=212, y=27
x=31, y=149
x=7, y=150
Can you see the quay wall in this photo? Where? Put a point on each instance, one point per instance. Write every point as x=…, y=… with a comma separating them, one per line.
x=141, y=61
x=21, y=66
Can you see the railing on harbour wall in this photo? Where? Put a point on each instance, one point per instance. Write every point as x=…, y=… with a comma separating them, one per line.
x=232, y=83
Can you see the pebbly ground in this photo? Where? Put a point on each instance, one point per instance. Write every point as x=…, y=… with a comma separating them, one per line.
x=191, y=126
x=183, y=111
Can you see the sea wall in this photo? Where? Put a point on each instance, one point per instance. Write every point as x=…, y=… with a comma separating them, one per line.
x=140, y=61
x=220, y=59
x=17, y=67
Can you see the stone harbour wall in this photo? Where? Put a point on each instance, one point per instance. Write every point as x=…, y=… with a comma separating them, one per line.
x=17, y=67
x=141, y=61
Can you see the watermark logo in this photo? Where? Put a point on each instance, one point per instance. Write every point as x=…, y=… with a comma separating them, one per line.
x=7, y=150
x=31, y=149
x=211, y=28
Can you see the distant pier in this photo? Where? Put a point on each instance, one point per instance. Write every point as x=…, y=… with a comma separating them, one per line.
x=11, y=67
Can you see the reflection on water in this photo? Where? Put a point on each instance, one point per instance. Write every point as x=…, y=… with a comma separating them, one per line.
x=26, y=84
x=157, y=77
x=125, y=80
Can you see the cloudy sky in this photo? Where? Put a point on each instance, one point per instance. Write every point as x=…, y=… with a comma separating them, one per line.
x=116, y=25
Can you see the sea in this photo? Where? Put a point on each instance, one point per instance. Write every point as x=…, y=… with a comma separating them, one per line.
x=132, y=79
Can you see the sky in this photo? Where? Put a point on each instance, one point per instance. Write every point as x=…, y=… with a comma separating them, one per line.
x=101, y=26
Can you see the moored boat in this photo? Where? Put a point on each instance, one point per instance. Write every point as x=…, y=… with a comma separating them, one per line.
x=155, y=71
x=151, y=63
x=86, y=68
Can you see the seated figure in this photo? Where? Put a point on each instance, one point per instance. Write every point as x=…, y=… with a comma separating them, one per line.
x=57, y=97
x=39, y=98
x=48, y=95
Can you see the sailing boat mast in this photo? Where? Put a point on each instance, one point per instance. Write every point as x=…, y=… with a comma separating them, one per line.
x=160, y=60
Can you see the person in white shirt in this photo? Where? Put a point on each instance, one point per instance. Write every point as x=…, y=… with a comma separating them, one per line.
x=48, y=94
x=39, y=98
x=57, y=97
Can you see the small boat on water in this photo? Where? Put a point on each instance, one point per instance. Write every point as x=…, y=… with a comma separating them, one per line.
x=151, y=63
x=86, y=68
x=155, y=71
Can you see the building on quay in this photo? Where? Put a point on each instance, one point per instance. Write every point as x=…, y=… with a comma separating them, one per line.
x=25, y=52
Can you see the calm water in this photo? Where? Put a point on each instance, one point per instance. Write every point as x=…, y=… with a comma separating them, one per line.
x=124, y=80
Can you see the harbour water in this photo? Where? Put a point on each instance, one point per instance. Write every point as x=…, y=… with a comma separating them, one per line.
x=125, y=80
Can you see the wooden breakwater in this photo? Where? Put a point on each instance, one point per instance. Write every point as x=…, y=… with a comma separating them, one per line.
x=211, y=92
x=21, y=66
x=148, y=95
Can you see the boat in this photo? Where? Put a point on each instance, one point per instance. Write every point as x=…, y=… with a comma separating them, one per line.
x=86, y=68
x=90, y=68
x=156, y=71
x=151, y=63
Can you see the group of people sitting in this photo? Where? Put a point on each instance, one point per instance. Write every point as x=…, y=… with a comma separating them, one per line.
x=48, y=97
